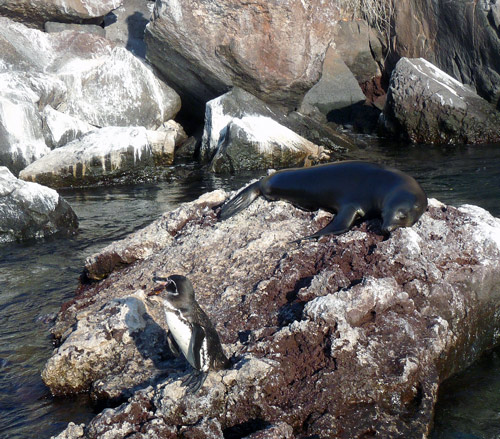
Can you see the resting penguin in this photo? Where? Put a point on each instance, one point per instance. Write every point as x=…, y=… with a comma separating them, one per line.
x=352, y=190
x=191, y=331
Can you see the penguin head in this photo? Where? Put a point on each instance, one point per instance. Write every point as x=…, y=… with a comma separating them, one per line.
x=176, y=289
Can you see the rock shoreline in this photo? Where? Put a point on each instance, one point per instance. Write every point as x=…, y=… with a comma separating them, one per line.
x=340, y=337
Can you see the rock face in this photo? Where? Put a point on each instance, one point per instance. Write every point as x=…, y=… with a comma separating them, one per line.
x=460, y=37
x=428, y=106
x=79, y=75
x=37, y=12
x=204, y=48
x=105, y=153
x=29, y=210
x=343, y=337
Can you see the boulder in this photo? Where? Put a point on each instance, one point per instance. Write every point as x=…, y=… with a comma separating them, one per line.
x=99, y=155
x=80, y=75
x=37, y=12
x=337, y=89
x=427, y=105
x=259, y=142
x=60, y=128
x=460, y=37
x=116, y=90
x=239, y=104
x=29, y=210
x=346, y=336
x=273, y=49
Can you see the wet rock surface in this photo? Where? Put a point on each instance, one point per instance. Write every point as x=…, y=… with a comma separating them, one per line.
x=426, y=105
x=29, y=210
x=104, y=153
x=344, y=337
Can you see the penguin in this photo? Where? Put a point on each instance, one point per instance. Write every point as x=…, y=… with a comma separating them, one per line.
x=191, y=331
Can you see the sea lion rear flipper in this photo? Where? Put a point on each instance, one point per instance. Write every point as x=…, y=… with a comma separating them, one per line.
x=341, y=223
x=240, y=201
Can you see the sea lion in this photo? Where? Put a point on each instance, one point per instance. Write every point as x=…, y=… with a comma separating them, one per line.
x=352, y=190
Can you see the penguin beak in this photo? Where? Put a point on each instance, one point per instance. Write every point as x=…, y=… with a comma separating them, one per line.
x=161, y=282
x=156, y=290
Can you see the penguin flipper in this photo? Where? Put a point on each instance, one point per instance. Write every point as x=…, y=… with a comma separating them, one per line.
x=173, y=346
x=240, y=201
x=195, y=350
x=341, y=223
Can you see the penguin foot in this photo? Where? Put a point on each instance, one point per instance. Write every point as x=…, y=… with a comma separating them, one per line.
x=194, y=381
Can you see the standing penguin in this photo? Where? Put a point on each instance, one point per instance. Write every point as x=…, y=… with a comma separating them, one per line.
x=191, y=331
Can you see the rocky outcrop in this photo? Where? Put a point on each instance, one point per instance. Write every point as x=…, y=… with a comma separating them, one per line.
x=29, y=210
x=344, y=337
x=102, y=154
x=79, y=75
x=273, y=49
x=426, y=105
x=37, y=12
x=460, y=37
x=230, y=115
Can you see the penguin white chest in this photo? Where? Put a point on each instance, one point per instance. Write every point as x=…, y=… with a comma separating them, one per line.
x=180, y=330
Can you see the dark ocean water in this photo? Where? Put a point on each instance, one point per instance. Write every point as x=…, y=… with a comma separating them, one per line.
x=37, y=276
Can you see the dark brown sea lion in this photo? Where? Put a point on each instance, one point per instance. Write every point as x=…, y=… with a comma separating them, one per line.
x=352, y=190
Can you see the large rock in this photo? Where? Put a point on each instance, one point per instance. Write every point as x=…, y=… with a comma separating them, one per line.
x=428, y=106
x=460, y=37
x=29, y=210
x=116, y=90
x=239, y=104
x=81, y=75
x=338, y=89
x=273, y=49
x=259, y=142
x=37, y=12
x=343, y=337
x=101, y=154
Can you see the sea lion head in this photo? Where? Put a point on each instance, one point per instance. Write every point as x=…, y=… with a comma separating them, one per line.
x=402, y=209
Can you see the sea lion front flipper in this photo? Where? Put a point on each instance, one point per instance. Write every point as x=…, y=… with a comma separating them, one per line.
x=240, y=201
x=341, y=223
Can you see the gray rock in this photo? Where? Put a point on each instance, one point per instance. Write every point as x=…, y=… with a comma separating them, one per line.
x=353, y=328
x=80, y=75
x=101, y=154
x=238, y=104
x=37, y=12
x=125, y=26
x=337, y=89
x=429, y=106
x=29, y=210
x=360, y=48
x=60, y=128
x=259, y=142
x=459, y=37
x=54, y=26
x=117, y=90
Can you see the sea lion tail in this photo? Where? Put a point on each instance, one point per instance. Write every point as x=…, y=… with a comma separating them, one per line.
x=240, y=201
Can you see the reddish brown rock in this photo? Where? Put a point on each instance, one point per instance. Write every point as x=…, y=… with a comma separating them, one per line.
x=345, y=337
x=273, y=49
